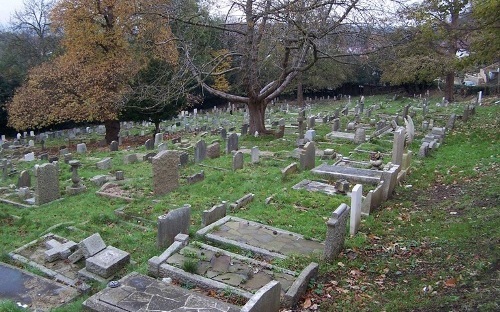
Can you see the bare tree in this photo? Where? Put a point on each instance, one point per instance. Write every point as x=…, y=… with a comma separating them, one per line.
x=273, y=42
x=32, y=26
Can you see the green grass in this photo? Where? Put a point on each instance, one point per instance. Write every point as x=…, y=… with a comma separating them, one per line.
x=413, y=241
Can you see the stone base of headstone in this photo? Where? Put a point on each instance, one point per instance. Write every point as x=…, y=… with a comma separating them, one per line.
x=75, y=190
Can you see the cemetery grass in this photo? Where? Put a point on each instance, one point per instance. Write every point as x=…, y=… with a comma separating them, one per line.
x=365, y=276
x=435, y=245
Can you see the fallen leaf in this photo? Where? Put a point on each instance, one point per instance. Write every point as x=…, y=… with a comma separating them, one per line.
x=307, y=303
x=452, y=282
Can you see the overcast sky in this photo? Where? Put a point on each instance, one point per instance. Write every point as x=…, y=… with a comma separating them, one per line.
x=7, y=7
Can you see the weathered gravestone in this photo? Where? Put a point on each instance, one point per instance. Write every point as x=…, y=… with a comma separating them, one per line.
x=149, y=144
x=24, y=179
x=232, y=143
x=237, y=161
x=308, y=156
x=104, y=164
x=200, y=151
x=215, y=213
x=47, y=184
x=158, y=139
x=169, y=225
x=336, y=124
x=113, y=146
x=213, y=150
x=335, y=234
x=165, y=172
x=359, y=135
x=398, y=146
x=255, y=154
x=310, y=135
x=81, y=148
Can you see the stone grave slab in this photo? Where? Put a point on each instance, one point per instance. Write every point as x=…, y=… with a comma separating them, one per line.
x=314, y=186
x=219, y=269
x=137, y=292
x=35, y=292
x=259, y=238
x=348, y=173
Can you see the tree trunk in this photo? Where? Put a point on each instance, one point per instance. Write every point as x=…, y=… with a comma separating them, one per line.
x=256, y=110
x=300, y=91
x=112, y=130
x=450, y=85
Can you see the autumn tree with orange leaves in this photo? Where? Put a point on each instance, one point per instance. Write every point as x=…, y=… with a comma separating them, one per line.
x=106, y=42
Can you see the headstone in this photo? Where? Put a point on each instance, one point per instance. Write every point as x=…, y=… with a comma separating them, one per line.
x=310, y=135
x=119, y=175
x=301, y=127
x=335, y=234
x=29, y=156
x=308, y=156
x=200, y=151
x=336, y=124
x=113, y=146
x=169, y=225
x=451, y=122
x=158, y=139
x=31, y=143
x=24, y=179
x=81, y=148
x=398, y=146
x=130, y=159
x=232, y=143
x=359, y=135
x=288, y=170
x=149, y=144
x=47, y=184
x=237, y=161
x=267, y=298
x=92, y=245
x=197, y=177
x=351, y=126
x=312, y=122
x=255, y=154
x=183, y=159
x=213, y=150
x=244, y=129
x=104, y=164
x=165, y=172
x=356, y=198
x=217, y=212
x=223, y=133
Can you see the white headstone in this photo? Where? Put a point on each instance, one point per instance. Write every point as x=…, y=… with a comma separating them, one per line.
x=356, y=198
x=19, y=136
x=31, y=143
x=32, y=133
x=29, y=157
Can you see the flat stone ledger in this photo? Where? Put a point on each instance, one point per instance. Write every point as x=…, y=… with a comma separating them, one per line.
x=107, y=262
x=357, y=175
x=165, y=172
x=47, y=184
x=142, y=293
x=314, y=186
x=259, y=238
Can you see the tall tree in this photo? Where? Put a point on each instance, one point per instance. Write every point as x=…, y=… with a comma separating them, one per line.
x=271, y=44
x=438, y=30
x=105, y=42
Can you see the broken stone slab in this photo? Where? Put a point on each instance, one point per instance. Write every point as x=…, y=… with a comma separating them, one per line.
x=245, y=200
x=107, y=262
x=92, y=245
